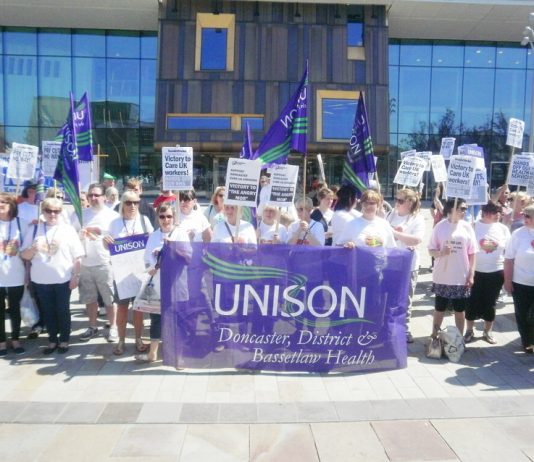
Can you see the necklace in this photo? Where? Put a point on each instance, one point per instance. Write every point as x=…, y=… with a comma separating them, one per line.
x=5, y=242
x=129, y=233
x=51, y=246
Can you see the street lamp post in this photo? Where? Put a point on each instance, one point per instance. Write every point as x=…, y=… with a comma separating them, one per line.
x=528, y=39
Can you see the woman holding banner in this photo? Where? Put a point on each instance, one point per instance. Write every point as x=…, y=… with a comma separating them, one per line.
x=227, y=231
x=306, y=231
x=492, y=237
x=167, y=231
x=453, y=245
x=55, y=251
x=130, y=223
x=191, y=219
x=270, y=231
x=409, y=230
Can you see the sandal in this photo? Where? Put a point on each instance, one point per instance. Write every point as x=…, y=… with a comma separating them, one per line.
x=144, y=358
x=119, y=348
x=140, y=347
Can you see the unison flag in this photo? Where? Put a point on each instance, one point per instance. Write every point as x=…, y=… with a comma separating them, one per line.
x=246, y=150
x=290, y=130
x=67, y=163
x=83, y=129
x=359, y=161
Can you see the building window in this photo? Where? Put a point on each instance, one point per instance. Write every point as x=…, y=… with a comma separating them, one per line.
x=255, y=123
x=335, y=114
x=233, y=122
x=355, y=33
x=214, y=49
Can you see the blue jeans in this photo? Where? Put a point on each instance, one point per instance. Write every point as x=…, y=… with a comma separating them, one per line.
x=55, y=302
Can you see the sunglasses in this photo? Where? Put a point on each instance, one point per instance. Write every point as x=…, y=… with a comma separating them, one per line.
x=526, y=215
x=4, y=202
x=301, y=209
x=50, y=211
x=130, y=203
x=94, y=195
x=185, y=199
x=162, y=217
x=220, y=195
x=462, y=209
x=400, y=201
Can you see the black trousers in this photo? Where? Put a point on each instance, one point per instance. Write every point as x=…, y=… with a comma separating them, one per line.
x=484, y=295
x=524, y=312
x=14, y=295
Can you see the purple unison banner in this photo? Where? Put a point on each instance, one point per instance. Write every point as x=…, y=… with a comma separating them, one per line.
x=284, y=308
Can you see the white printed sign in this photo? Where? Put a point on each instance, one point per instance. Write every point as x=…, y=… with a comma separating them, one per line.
x=530, y=185
x=283, y=185
x=6, y=184
x=321, y=168
x=88, y=173
x=410, y=153
x=410, y=172
x=514, y=137
x=425, y=155
x=519, y=169
x=439, y=168
x=447, y=147
x=22, y=162
x=242, y=180
x=461, y=176
x=479, y=194
x=127, y=264
x=475, y=151
x=177, y=168
x=50, y=155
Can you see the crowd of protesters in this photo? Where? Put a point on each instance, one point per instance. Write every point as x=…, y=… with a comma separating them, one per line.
x=47, y=250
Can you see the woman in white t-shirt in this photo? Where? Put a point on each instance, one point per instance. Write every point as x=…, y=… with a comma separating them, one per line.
x=130, y=223
x=305, y=231
x=324, y=213
x=227, y=231
x=270, y=231
x=55, y=251
x=191, y=219
x=519, y=278
x=408, y=228
x=492, y=237
x=453, y=245
x=344, y=212
x=12, y=231
x=214, y=212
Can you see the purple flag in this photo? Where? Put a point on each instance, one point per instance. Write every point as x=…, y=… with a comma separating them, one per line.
x=40, y=188
x=67, y=163
x=359, y=161
x=246, y=150
x=83, y=128
x=290, y=130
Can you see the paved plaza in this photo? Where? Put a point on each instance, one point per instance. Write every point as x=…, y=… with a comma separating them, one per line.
x=92, y=405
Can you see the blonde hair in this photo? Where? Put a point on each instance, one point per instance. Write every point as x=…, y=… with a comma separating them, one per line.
x=128, y=195
x=413, y=197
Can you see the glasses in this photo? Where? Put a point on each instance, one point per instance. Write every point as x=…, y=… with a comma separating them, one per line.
x=94, y=195
x=4, y=202
x=301, y=209
x=51, y=211
x=400, y=201
x=462, y=209
x=220, y=195
x=185, y=199
x=526, y=215
x=130, y=203
x=162, y=217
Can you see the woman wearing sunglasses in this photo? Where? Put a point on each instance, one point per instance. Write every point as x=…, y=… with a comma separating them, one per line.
x=191, y=219
x=214, y=212
x=167, y=231
x=409, y=230
x=519, y=278
x=130, y=223
x=453, y=245
x=55, y=251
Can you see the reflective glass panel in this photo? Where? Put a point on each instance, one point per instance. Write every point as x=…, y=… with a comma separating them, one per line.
x=20, y=81
x=510, y=92
x=123, y=45
x=338, y=118
x=123, y=87
x=255, y=123
x=25, y=135
x=414, y=98
x=54, y=88
x=528, y=101
x=198, y=123
x=394, y=52
x=448, y=55
x=393, y=98
x=20, y=41
x=148, y=91
x=213, y=51
x=355, y=34
x=511, y=57
x=415, y=55
x=54, y=42
x=1, y=89
x=88, y=75
x=89, y=43
x=149, y=46
x=479, y=56
x=530, y=59
x=478, y=89
x=446, y=97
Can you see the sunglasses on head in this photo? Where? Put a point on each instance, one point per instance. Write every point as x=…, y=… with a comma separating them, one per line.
x=130, y=203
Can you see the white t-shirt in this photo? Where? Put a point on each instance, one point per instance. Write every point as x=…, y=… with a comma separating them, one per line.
x=314, y=228
x=96, y=252
x=266, y=233
x=246, y=231
x=340, y=220
x=196, y=222
x=368, y=233
x=59, y=246
x=28, y=212
x=11, y=265
x=414, y=225
x=492, y=239
x=265, y=195
x=452, y=269
x=121, y=227
x=212, y=215
x=521, y=249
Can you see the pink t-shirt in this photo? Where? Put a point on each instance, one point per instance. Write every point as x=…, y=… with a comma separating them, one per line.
x=454, y=268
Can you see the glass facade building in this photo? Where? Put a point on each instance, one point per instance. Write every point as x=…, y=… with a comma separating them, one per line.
x=38, y=69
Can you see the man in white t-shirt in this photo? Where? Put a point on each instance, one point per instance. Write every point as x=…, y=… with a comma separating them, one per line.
x=95, y=275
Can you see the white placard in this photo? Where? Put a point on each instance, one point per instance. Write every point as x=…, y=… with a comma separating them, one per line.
x=50, y=153
x=127, y=264
x=447, y=147
x=321, y=168
x=177, y=168
x=473, y=150
x=283, y=185
x=22, y=162
x=439, y=169
x=514, y=137
x=519, y=169
x=425, y=155
x=410, y=171
x=530, y=186
x=410, y=153
x=242, y=181
x=461, y=176
x=6, y=184
x=479, y=193
x=88, y=173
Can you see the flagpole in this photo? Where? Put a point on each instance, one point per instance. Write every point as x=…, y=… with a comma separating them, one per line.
x=304, y=181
